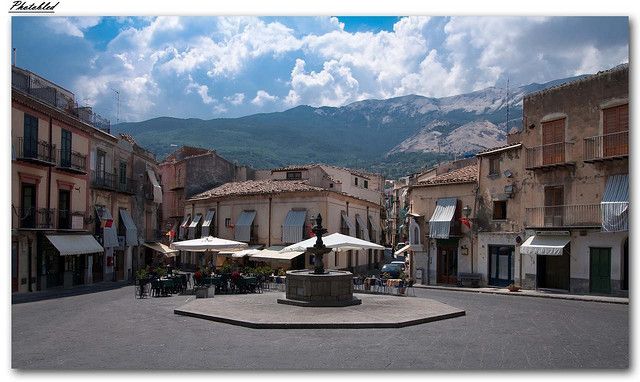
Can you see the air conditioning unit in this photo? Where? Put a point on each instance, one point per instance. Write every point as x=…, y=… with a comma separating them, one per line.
x=509, y=190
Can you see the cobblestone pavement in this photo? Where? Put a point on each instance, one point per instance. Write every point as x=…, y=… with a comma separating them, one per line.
x=110, y=329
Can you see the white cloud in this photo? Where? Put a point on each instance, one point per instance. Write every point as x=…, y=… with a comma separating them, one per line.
x=202, y=90
x=236, y=99
x=334, y=85
x=263, y=97
x=72, y=26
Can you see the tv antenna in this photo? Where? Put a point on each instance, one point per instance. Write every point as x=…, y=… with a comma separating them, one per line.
x=117, y=105
x=507, y=125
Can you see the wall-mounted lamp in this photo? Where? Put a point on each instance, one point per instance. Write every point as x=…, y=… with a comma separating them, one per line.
x=466, y=211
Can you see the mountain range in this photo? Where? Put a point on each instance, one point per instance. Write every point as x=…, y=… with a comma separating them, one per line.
x=395, y=136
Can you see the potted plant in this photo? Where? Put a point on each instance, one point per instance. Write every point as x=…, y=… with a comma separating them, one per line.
x=513, y=287
x=403, y=283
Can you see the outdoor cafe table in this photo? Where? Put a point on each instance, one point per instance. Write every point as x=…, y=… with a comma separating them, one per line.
x=166, y=285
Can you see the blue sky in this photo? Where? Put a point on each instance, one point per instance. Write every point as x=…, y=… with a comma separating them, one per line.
x=210, y=67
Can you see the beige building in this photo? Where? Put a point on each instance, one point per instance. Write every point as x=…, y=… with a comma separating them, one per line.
x=275, y=213
x=498, y=215
x=440, y=245
x=50, y=139
x=575, y=188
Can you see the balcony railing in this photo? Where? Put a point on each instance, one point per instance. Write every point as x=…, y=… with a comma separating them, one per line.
x=608, y=146
x=580, y=215
x=147, y=188
x=65, y=219
x=549, y=155
x=40, y=151
x=73, y=161
x=104, y=180
x=36, y=218
x=126, y=185
x=57, y=97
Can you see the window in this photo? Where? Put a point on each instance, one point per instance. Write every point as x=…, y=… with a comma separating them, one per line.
x=553, y=141
x=65, y=149
x=30, y=144
x=356, y=181
x=330, y=185
x=494, y=166
x=615, y=127
x=366, y=184
x=123, y=172
x=227, y=222
x=291, y=175
x=100, y=163
x=500, y=210
x=64, y=205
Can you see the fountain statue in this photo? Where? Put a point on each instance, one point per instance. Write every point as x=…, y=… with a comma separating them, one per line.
x=319, y=287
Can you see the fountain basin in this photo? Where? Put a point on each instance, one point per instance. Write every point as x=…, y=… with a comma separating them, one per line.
x=332, y=288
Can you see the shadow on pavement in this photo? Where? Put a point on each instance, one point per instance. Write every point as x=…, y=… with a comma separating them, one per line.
x=20, y=298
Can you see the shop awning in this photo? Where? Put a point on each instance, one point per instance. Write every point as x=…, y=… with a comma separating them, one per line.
x=373, y=235
x=402, y=250
x=109, y=234
x=206, y=223
x=182, y=231
x=546, y=245
x=159, y=247
x=615, y=204
x=271, y=255
x=440, y=222
x=293, y=227
x=75, y=244
x=240, y=252
x=194, y=225
x=363, y=227
x=157, y=190
x=352, y=228
x=243, y=226
x=131, y=230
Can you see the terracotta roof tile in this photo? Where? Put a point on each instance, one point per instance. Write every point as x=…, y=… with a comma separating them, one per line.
x=257, y=187
x=467, y=174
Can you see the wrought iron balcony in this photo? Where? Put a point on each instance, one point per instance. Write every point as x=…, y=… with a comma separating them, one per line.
x=103, y=179
x=36, y=218
x=126, y=185
x=36, y=151
x=579, y=215
x=549, y=155
x=604, y=147
x=73, y=161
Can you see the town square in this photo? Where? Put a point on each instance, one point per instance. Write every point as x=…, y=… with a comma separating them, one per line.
x=318, y=193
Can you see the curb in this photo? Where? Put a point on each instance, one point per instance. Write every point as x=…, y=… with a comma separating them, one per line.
x=606, y=300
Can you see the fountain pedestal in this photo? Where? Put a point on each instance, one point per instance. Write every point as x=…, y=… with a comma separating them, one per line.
x=306, y=288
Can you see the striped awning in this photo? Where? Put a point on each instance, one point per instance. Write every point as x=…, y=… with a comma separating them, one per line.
x=352, y=228
x=363, y=228
x=440, y=222
x=69, y=245
x=206, y=223
x=293, y=227
x=243, y=226
x=615, y=204
x=131, y=230
x=194, y=225
x=157, y=190
x=545, y=245
x=183, y=227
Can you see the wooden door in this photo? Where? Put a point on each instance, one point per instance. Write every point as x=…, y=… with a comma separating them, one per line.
x=600, y=270
x=554, y=205
x=553, y=271
x=615, y=127
x=447, y=264
x=553, y=142
x=28, y=205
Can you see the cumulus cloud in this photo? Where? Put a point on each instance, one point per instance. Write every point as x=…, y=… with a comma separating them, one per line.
x=316, y=61
x=72, y=26
x=332, y=86
x=236, y=99
x=262, y=97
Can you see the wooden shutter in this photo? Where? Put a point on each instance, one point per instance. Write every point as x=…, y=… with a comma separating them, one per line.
x=615, y=122
x=553, y=141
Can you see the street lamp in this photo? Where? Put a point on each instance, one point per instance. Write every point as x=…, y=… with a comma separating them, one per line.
x=466, y=211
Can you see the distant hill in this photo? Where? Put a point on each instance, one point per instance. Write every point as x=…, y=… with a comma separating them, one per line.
x=394, y=136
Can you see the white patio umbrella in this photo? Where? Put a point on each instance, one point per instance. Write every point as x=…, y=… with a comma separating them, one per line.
x=207, y=244
x=336, y=241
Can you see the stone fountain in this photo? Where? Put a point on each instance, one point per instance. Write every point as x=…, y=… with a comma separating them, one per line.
x=318, y=287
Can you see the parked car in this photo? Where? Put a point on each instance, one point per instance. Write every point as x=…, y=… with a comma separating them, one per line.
x=394, y=269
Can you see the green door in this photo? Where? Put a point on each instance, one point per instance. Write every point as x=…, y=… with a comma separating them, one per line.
x=600, y=275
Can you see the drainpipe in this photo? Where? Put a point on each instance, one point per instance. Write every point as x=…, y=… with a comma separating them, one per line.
x=216, y=228
x=49, y=167
x=269, y=234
